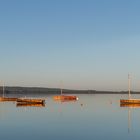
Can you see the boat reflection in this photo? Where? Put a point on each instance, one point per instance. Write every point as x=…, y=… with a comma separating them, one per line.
x=29, y=105
x=130, y=105
x=65, y=101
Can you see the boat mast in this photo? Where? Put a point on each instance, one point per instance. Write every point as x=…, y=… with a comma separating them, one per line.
x=61, y=88
x=61, y=91
x=3, y=90
x=129, y=84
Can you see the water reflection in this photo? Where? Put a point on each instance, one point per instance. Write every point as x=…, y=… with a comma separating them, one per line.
x=129, y=120
x=64, y=101
x=91, y=117
x=130, y=105
x=29, y=105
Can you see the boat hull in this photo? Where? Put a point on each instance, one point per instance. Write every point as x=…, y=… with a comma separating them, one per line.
x=2, y=99
x=31, y=101
x=130, y=101
x=65, y=98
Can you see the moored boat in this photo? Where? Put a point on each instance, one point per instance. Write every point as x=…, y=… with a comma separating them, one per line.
x=30, y=101
x=2, y=99
x=129, y=100
x=65, y=97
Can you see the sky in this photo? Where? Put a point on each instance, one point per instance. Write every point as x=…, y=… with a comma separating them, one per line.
x=75, y=44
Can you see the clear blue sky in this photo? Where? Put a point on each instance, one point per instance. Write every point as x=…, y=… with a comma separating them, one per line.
x=87, y=44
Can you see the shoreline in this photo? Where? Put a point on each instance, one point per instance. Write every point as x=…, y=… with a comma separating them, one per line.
x=41, y=90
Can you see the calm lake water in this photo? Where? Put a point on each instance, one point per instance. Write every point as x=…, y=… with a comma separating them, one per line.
x=96, y=117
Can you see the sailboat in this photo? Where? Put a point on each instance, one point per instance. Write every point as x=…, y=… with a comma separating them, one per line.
x=63, y=97
x=130, y=100
x=3, y=98
x=30, y=101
